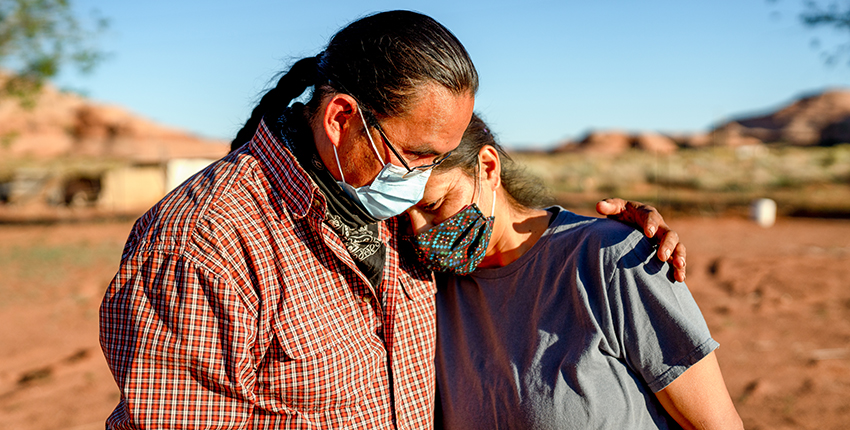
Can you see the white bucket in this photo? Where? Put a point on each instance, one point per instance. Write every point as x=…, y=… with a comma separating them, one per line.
x=763, y=212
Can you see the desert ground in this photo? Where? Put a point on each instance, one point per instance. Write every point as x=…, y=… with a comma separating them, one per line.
x=777, y=299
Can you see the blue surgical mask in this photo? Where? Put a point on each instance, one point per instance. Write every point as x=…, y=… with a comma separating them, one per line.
x=392, y=192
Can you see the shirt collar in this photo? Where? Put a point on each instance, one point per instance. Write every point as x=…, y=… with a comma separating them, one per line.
x=287, y=178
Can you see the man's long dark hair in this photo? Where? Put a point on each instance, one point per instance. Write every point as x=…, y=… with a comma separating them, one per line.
x=380, y=60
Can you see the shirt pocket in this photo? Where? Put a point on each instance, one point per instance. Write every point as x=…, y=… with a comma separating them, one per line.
x=323, y=359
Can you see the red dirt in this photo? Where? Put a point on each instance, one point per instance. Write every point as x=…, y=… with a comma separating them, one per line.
x=776, y=299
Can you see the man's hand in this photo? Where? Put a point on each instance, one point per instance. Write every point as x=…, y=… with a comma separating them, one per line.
x=652, y=223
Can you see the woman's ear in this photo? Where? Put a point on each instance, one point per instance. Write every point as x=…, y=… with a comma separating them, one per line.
x=490, y=167
x=337, y=120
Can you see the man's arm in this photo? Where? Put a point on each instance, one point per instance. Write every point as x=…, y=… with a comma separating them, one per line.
x=178, y=343
x=698, y=399
x=648, y=219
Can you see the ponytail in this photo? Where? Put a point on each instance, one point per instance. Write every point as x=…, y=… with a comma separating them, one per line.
x=301, y=76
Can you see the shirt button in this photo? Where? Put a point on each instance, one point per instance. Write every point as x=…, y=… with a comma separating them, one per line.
x=367, y=299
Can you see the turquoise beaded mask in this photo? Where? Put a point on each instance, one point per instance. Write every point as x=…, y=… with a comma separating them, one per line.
x=458, y=244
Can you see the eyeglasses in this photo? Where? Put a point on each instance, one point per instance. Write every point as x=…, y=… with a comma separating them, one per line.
x=374, y=121
x=410, y=170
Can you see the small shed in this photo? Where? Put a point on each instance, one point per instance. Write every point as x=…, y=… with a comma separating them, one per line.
x=137, y=187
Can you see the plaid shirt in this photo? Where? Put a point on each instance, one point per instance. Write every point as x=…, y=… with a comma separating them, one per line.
x=235, y=306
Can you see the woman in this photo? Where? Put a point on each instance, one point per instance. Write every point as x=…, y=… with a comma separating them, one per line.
x=566, y=322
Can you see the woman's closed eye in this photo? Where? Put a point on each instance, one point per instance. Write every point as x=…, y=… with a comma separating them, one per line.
x=432, y=206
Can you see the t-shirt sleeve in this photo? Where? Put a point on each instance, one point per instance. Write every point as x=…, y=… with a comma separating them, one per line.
x=658, y=325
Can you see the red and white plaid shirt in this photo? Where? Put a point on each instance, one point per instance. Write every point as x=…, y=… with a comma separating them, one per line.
x=235, y=306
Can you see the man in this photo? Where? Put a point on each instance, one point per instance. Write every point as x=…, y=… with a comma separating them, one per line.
x=269, y=291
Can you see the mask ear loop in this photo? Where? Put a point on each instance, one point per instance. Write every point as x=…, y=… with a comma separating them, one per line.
x=365, y=127
x=339, y=166
x=493, y=208
x=369, y=135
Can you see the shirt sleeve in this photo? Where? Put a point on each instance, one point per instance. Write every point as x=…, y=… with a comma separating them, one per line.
x=178, y=343
x=659, y=325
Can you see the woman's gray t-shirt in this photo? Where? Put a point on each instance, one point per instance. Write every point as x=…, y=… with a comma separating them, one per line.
x=578, y=333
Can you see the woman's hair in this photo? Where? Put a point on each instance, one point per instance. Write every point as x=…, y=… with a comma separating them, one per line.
x=524, y=189
x=380, y=60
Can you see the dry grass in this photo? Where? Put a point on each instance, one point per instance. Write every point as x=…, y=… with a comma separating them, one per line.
x=803, y=181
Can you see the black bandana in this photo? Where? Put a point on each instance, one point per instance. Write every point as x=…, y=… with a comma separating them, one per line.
x=357, y=229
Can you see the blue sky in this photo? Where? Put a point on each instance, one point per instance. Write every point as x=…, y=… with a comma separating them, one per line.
x=550, y=70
